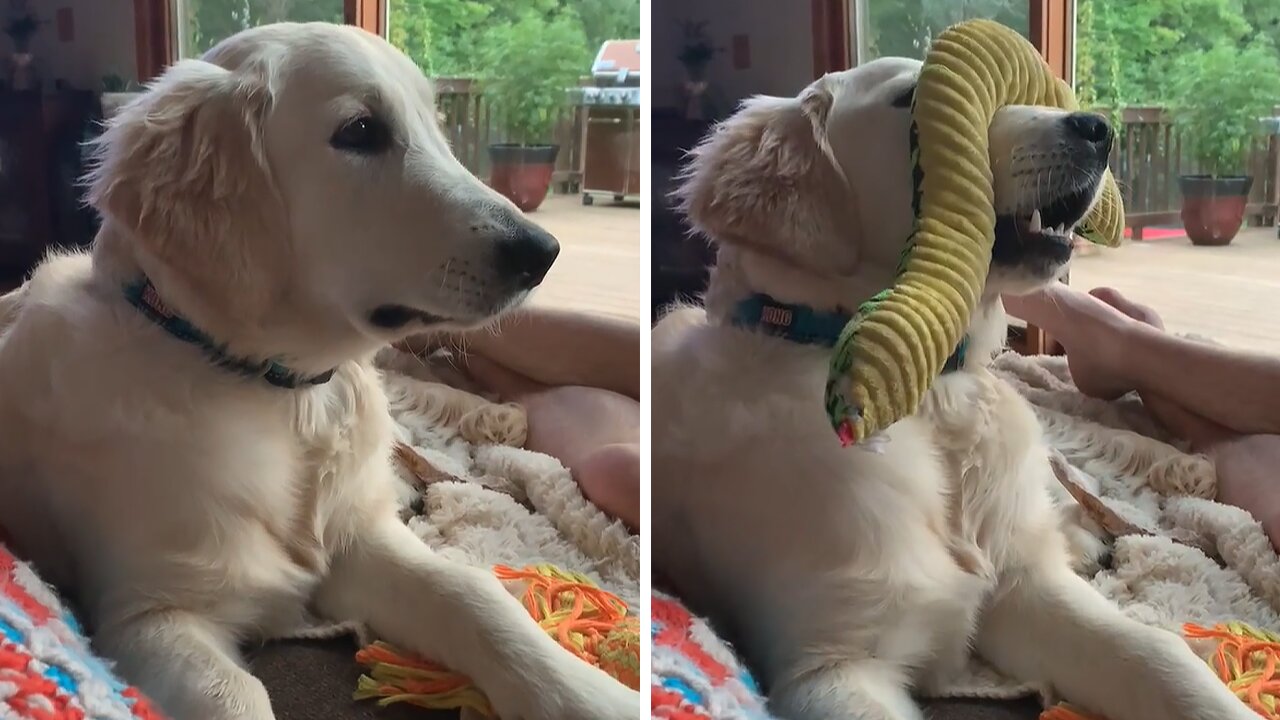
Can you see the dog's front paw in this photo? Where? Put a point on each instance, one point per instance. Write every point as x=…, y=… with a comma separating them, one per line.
x=577, y=696
x=495, y=424
x=613, y=701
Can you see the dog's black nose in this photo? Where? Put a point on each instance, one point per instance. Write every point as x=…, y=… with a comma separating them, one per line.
x=1092, y=128
x=526, y=255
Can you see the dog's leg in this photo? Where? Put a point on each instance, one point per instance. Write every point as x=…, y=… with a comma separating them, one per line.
x=952, y=656
x=479, y=421
x=852, y=690
x=464, y=618
x=1049, y=625
x=495, y=424
x=186, y=665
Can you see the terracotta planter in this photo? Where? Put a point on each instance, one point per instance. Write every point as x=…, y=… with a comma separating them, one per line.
x=522, y=173
x=1213, y=207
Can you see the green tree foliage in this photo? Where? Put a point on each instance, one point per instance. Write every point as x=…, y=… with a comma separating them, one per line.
x=904, y=28
x=1133, y=52
x=455, y=37
x=445, y=37
x=1218, y=96
x=440, y=35
x=525, y=52
x=531, y=62
x=208, y=21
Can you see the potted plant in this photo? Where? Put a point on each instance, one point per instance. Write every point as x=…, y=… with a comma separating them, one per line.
x=533, y=63
x=697, y=51
x=116, y=93
x=21, y=27
x=1221, y=98
x=695, y=55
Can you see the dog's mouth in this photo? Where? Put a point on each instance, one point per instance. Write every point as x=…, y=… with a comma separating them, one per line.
x=1044, y=233
x=395, y=317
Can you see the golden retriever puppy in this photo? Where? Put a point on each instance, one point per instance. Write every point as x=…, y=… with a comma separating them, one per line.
x=195, y=437
x=851, y=576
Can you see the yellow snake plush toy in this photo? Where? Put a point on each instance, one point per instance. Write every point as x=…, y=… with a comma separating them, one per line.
x=899, y=340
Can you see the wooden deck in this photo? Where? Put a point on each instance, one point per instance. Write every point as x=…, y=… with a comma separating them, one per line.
x=598, y=270
x=1230, y=294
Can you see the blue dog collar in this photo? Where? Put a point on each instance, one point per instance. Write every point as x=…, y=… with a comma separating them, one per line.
x=143, y=296
x=797, y=323
x=807, y=326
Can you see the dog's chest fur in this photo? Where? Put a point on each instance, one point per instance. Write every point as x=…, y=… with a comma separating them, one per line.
x=218, y=495
x=889, y=552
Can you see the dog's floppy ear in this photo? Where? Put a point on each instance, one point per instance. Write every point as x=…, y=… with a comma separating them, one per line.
x=183, y=170
x=766, y=177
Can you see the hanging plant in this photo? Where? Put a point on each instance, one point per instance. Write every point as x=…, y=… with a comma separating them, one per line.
x=21, y=26
x=698, y=50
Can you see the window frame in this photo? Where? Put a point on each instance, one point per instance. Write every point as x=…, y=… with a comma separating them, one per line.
x=156, y=41
x=835, y=45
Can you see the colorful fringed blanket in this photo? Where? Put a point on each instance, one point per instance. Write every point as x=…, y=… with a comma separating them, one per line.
x=695, y=675
x=47, y=671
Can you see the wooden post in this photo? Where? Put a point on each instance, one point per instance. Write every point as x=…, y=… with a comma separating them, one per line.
x=831, y=39
x=154, y=45
x=370, y=15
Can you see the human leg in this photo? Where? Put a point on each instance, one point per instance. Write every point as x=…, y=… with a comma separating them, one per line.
x=594, y=432
x=557, y=348
x=1111, y=352
x=1245, y=462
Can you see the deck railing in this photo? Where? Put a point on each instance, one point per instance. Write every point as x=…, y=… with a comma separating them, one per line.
x=472, y=123
x=1147, y=158
x=1149, y=155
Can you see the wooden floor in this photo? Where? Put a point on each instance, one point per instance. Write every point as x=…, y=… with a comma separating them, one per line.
x=598, y=270
x=1230, y=294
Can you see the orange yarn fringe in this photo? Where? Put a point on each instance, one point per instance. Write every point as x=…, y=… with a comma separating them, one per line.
x=587, y=621
x=1245, y=659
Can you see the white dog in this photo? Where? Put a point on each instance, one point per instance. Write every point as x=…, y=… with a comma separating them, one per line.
x=194, y=436
x=851, y=576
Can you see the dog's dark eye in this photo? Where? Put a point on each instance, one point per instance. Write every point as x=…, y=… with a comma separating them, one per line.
x=366, y=135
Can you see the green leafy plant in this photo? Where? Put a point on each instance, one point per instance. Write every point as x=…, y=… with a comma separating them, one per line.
x=1128, y=51
x=697, y=50
x=114, y=83
x=1220, y=98
x=21, y=26
x=530, y=66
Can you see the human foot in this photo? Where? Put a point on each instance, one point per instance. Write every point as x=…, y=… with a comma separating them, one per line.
x=1142, y=313
x=1246, y=478
x=1201, y=433
x=1093, y=329
x=610, y=478
x=1242, y=462
x=1180, y=422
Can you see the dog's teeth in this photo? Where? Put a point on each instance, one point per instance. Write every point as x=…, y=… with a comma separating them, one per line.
x=1035, y=221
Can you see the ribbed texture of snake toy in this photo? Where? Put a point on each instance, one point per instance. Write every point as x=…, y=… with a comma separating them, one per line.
x=898, y=341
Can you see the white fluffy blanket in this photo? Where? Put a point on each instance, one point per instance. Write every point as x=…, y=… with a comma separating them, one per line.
x=511, y=506
x=1179, y=557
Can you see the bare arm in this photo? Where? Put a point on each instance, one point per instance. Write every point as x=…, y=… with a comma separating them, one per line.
x=560, y=347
